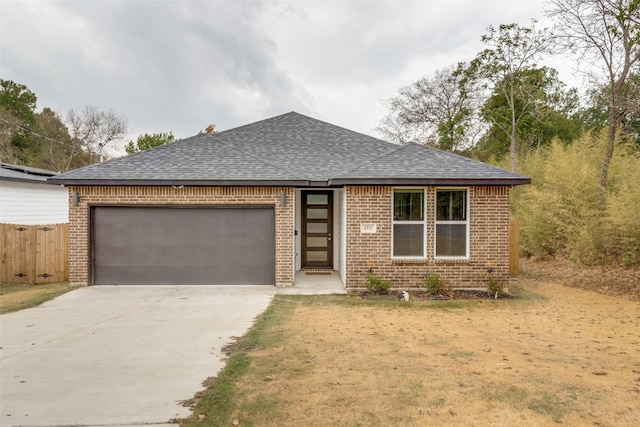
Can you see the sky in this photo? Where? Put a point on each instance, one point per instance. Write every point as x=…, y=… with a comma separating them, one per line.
x=170, y=65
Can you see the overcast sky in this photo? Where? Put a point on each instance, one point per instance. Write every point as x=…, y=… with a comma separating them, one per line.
x=169, y=65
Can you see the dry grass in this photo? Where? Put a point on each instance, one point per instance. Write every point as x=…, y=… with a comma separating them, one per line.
x=555, y=355
x=17, y=296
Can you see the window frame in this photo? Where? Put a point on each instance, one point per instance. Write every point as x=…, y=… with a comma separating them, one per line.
x=466, y=222
x=423, y=191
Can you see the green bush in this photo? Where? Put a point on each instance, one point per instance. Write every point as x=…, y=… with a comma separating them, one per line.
x=435, y=284
x=376, y=285
x=495, y=287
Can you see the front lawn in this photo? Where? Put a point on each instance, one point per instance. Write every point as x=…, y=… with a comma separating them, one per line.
x=17, y=296
x=552, y=355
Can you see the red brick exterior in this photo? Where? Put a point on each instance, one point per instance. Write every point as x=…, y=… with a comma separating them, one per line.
x=488, y=231
x=79, y=249
x=488, y=240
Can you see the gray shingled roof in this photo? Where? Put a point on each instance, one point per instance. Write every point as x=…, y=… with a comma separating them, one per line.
x=290, y=149
x=24, y=173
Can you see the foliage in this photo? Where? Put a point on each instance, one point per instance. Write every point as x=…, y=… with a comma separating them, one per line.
x=146, y=141
x=440, y=111
x=595, y=116
x=17, y=115
x=93, y=130
x=376, y=285
x=18, y=100
x=55, y=149
x=495, y=287
x=44, y=139
x=435, y=284
x=605, y=34
x=549, y=116
x=561, y=213
x=505, y=66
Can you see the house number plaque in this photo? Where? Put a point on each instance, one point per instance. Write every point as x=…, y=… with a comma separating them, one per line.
x=368, y=228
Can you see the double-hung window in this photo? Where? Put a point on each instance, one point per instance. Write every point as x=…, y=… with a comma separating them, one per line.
x=408, y=223
x=452, y=223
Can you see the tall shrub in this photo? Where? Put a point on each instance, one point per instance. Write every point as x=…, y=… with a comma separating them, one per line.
x=560, y=212
x=623, y=207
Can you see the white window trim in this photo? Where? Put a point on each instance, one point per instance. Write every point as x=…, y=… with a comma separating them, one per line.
x=466, y=222
x=423, y=222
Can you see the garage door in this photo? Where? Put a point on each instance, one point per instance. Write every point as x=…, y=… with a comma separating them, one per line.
x=186, y=246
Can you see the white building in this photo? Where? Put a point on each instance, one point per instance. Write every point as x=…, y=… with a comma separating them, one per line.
x=27, y=199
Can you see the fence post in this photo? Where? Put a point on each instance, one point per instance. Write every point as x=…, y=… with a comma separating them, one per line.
x=514, y=247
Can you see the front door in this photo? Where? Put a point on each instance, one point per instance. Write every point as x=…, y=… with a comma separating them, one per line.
x=317, y=229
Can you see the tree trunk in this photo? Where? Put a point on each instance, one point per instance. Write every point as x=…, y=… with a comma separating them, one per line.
x=608, y=154
x=512, y=150
x=514, y=123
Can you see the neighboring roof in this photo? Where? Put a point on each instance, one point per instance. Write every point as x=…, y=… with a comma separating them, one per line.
x=24, y=173
x=289, y=150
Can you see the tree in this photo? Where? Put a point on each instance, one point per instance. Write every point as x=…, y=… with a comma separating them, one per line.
x=18, y=100
x=605, y=34
x=146, y=141
x=17, y=114
x=55, y=148
x=596, y=115
x=550, y=114
x=511, y=51
x=92, y=130
x=440, y=111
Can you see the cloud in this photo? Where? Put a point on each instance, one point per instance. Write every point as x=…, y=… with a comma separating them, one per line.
x=181, y=65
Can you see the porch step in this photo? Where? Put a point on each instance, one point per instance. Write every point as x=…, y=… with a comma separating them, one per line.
x=317, y=270
x=318, y=281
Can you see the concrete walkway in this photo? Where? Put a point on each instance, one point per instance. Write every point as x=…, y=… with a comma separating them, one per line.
x=314, y=283
x=106, y=355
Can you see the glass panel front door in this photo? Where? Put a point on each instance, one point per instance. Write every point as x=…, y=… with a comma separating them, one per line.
x=317, y=228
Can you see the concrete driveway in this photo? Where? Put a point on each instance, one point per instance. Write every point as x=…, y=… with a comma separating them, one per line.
x=121, y=355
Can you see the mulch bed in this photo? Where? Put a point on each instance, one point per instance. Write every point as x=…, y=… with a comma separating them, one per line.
x=459, y=294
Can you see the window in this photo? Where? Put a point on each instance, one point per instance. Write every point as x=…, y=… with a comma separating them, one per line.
x=408, y=223
x=452, y=224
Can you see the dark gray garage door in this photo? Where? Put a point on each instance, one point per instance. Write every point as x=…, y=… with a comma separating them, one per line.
x=184, y=246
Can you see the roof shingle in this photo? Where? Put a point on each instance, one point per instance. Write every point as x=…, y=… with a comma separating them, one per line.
x=290, y=149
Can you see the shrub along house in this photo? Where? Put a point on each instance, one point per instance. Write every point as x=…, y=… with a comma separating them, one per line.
x=255, y=204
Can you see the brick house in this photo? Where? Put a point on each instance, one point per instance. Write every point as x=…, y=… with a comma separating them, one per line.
x=255, y=204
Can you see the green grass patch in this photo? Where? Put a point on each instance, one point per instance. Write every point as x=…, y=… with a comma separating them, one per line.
x=18, y=296
x=551, y=405
x=544, y=403
x=219, y=402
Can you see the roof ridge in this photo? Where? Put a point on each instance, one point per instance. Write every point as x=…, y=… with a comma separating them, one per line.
x=256, y=122
x=295, y=113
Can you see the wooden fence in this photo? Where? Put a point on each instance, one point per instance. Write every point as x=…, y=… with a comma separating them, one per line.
x=514, y=247
x=34, y=253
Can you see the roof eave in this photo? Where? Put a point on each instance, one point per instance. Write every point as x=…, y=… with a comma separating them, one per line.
x=178, y=182
x=446, y=182
x=336, y=182
x=27, y=180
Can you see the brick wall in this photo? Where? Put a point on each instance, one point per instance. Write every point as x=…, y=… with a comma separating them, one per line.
x=488, y=240
x=206, y=196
